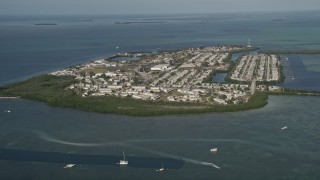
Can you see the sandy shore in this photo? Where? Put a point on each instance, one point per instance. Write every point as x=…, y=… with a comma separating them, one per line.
x=9, y=97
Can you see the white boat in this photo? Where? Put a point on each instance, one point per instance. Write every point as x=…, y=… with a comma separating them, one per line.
x=161, y=169
x=214, y=150
x=69, y=166
x=284, y=128
x=123, y=162
x=7, y=111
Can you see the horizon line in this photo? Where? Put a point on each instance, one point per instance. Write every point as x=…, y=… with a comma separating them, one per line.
x=157, y=13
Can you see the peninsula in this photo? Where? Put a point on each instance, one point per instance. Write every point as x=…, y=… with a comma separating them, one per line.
x=168, y=82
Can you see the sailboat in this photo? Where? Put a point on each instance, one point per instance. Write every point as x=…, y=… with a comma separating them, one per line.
x=123, y=162
x=161, y=169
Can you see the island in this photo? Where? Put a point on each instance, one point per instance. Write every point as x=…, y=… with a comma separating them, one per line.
x=139, y=22
x=46, y=24
x=161, y=83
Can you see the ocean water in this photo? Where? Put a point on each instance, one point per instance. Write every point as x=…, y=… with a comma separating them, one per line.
x=251, y=144
x=305, y=72
x=27, y=50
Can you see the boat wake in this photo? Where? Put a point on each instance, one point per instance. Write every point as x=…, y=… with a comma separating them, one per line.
x=128, y=143
x=48, y=138
x=192, y=140
x=185, y=159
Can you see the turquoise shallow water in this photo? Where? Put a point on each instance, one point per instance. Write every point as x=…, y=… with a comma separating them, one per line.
x=251, y=144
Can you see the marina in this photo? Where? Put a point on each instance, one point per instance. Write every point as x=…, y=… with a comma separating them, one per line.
x=287, y=72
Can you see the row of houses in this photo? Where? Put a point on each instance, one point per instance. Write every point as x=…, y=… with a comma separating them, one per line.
x=260, y=67
x=166, y=80
x=212, y=59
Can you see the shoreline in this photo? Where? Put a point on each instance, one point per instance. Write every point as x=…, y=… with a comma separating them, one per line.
x=51, y=90
x=10, y=97
x=54, y=91
x=314, y=51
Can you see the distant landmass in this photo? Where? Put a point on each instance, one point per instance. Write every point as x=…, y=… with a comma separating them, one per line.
x=46, y=24
x=139, y=22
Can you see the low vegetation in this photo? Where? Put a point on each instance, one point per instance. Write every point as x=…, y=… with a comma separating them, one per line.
x=52, y=90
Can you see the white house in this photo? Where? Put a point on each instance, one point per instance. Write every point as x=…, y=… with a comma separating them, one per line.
x=160, y=67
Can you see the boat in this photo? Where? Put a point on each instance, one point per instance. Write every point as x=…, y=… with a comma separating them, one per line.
x=214, y=150
x=7, y=111
x=69, y=166
x=123, y=162
x=161, y=169
x=284, y=128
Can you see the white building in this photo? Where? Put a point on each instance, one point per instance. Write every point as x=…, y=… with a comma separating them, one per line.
x=160, y=67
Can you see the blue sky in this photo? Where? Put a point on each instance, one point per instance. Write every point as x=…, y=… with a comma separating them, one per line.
x=151, y=6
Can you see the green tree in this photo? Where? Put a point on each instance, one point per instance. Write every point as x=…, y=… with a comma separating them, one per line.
x=91, y=73
x=82, y=73
x=205, y=64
